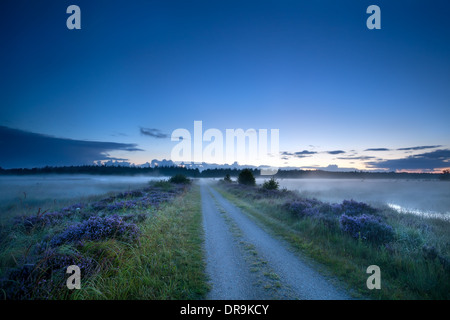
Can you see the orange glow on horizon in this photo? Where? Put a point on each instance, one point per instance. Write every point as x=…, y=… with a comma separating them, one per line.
x=435, y=170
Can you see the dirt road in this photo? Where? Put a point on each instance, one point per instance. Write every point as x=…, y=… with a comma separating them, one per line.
x=245, y=262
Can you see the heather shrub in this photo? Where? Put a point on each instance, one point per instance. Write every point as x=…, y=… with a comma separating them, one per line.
x=332, y=209
x=24, y=283
x=124, y=204
x=44, y=219
x=45, y=276
x=162, y=191
x=53, y=259
x=98, y=228
x=100, y=205
x=366, y=227
x=303, y=207
x=354, y=208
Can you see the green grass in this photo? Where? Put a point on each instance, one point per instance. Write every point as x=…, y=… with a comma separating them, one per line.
x=167, y=264
x=405, y=273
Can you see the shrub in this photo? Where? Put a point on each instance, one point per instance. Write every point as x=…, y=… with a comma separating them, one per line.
x=271, y=184
x=43, y=219
x=333, y=209
x=227, y=178
x=366, y=227
x=179, y=178
x=303, y=207
x=124, y=204
x=354, y=208
x=45, y=277
x=246, y=177
x=98, y=228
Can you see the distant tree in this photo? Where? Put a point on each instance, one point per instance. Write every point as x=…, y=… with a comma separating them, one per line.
x=271, y=184
x=445, y=175
x=246, y=177
x=227, y=178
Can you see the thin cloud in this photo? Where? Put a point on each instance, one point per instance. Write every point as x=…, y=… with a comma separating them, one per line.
x=298, y=154
x=331, y=167
x=419, y=148
x=357, y=158
x=426, y=161
x=378, y=149
x=304, y=154
x=23, y=149
x=335, y=152
x=119, y=134
x=155, y=133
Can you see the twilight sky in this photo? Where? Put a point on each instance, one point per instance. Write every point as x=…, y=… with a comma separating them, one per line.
x=339, y=93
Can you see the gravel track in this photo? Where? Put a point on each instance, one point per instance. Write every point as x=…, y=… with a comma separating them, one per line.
x=244, y=262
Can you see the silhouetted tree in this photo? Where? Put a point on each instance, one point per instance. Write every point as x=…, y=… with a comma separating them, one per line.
x=445, y=175
x=271, y=184
x=246, y=177
x=179, y=178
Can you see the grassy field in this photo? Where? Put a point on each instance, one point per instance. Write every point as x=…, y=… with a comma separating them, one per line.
x=155, y=253
x=414, y=264
x=147, y=244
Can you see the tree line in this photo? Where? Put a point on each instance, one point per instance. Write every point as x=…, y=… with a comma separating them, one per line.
x=215, y=173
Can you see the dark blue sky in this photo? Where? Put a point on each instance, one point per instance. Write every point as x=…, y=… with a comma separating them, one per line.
x=311, y=69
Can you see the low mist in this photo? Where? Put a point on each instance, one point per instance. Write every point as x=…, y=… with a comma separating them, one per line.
x=65, y=187
x=415, y=196
x=423, y=197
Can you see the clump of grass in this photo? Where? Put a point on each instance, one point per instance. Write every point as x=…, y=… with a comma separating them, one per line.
x=162, y=184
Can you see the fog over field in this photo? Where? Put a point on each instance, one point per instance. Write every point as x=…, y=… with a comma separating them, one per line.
x=57, y=187
x=426, y=197
x=423, y=197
